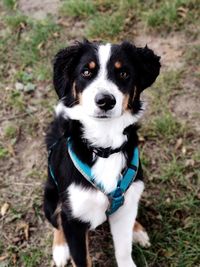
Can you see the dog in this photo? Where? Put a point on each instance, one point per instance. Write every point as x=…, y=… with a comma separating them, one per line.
x=94, y=171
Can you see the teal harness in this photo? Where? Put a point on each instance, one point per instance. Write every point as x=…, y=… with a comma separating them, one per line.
x=116, y=197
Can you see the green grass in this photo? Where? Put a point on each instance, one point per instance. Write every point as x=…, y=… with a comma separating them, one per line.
x=16, y=20
x=107, y=26
x=3, y=152
x=31, y=258
x=170, y=14
x=33, y=46
x=173, y=170
x=167, y=127
x=10, y=4
x=10, y=131
x=80, y=8
x=16, y=101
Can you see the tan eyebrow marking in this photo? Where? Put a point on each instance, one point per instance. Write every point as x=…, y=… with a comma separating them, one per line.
x=92, y=65
x=118, y=64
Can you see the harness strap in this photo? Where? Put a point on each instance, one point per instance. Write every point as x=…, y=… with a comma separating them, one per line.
x=50, y=167
x=106, y=152
x=116, y=197
x=49, y=160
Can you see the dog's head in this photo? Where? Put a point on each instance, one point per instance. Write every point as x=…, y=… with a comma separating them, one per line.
x=104, y=80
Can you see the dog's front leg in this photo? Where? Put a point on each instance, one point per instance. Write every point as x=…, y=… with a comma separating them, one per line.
x=75, y=233
x=121, y=224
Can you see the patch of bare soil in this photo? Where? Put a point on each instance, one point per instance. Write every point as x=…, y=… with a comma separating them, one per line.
x=38, y=9
x=170, y=48
x=186, y=106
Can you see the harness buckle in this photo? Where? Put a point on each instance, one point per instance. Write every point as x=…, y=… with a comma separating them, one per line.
x=116, y=200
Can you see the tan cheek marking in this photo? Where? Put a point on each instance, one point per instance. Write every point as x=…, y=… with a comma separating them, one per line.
x=118, y=64
x=125, y=102
x=138, y=227
x=74, y=90
x=80, y=98
x=92, y=65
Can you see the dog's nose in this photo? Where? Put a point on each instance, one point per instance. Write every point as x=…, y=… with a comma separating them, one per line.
x=105, y=101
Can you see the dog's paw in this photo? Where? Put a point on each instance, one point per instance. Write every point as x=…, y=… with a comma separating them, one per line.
x=61, y=255
x=141, y=237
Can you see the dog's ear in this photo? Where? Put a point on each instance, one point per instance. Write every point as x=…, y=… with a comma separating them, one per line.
x=63, y=66
x=148, y=67
x=146, y=64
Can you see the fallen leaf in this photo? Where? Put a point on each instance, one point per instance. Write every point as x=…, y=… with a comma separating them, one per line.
x=11, y=150
x=56, y=34
x=182, y=11
x=63, y=22
x=4, y=209
x=184, y=150
x=25, y=227
x=4, y=257
x=179, y=143
x=40, y=45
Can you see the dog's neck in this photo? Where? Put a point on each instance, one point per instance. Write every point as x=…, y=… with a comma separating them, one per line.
x=108, y=132
x=100, y=132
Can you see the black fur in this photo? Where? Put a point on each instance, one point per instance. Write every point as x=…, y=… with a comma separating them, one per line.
x=142, y=66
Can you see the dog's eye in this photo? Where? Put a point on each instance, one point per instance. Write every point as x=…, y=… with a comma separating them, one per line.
x=86, y=73
x=123, y=75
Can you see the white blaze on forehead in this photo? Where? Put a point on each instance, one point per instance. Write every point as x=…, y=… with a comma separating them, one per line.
x=104, y=54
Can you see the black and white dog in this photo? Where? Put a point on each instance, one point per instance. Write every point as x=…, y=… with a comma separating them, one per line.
x=99, y=87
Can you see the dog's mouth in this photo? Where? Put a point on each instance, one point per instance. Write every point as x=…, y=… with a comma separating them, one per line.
x=104, y=116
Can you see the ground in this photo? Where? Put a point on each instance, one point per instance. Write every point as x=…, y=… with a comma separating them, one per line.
x=31, y=32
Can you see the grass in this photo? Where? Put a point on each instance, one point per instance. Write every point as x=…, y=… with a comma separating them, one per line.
x=33, y=46
x=3, y=152
x=105, y=26
x=170, y=15
x=31, y=258
x=167, y=127
x=80, y=8
x=10, y=4
x=10, y=131
x=16, y=20
x=16, y=100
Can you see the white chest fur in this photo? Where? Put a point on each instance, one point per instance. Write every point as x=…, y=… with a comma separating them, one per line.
x=88, y=205
x=107, y=170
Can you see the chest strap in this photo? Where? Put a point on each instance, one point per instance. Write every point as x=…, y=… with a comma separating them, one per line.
x=116, y=197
